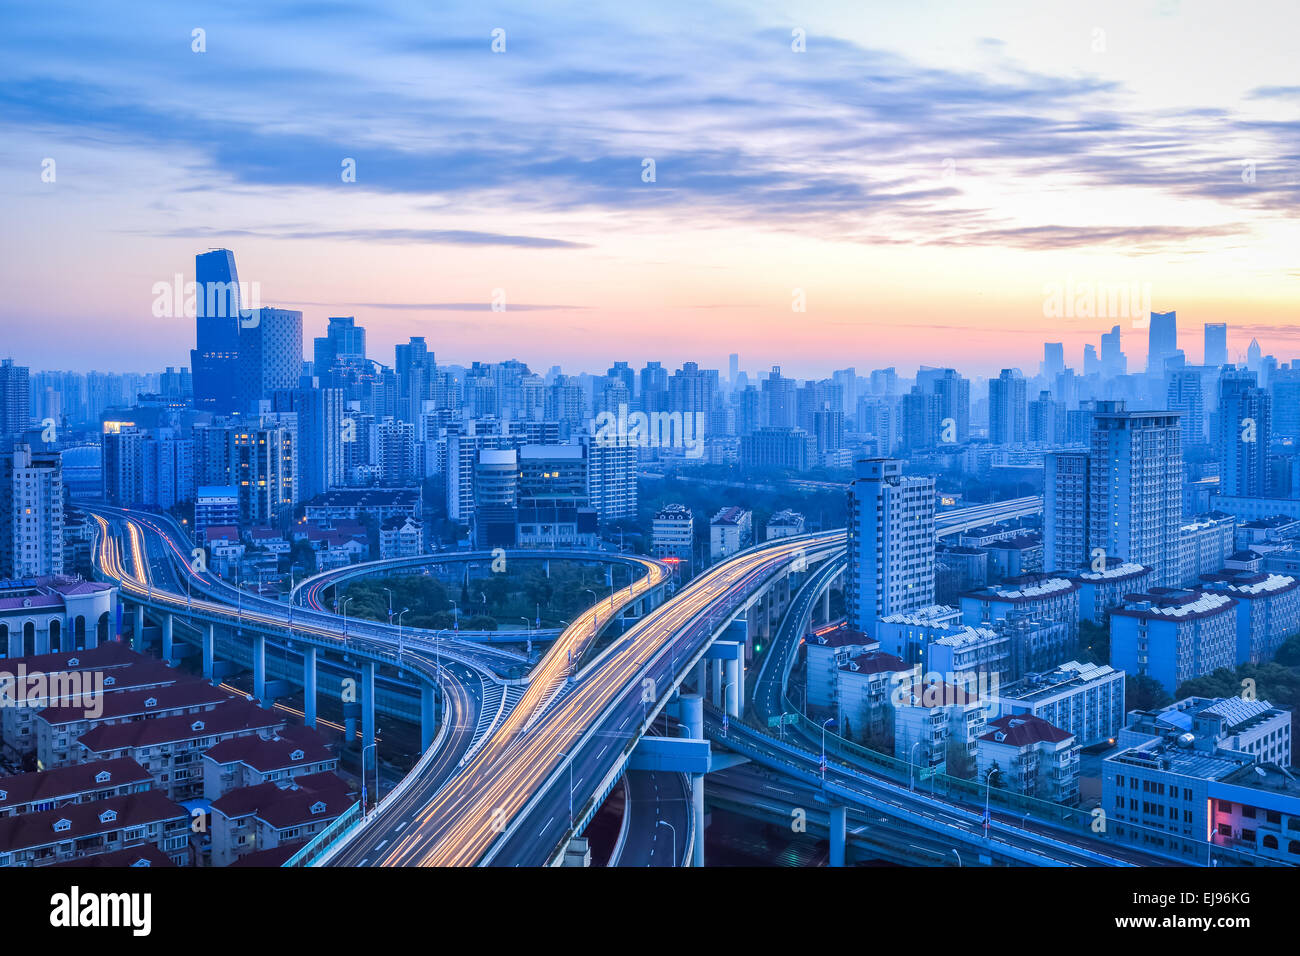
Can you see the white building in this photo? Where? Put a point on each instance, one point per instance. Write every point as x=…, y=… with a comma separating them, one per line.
x=783, y=524
x=1031, y=757
x=673, y=536
x=930, y=716
x=1087, y=700
x=731, y=530
x=891, y=543
x=31, y=513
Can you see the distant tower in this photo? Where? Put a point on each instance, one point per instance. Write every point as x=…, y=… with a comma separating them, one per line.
x=1216, y=344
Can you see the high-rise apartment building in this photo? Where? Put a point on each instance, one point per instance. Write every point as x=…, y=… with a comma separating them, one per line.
x=1132, y=508
x=891, y=543
x=1244, y=430
x=31, y=513
x=1008, y=409
x=15, y=400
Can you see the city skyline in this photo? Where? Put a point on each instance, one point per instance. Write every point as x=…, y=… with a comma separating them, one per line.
x=908, y=179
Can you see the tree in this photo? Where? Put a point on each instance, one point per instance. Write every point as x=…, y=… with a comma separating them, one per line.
x=960, y=762
x=1142, y=692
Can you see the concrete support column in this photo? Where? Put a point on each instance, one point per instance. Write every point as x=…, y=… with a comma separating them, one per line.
x=839, y=825
x=137, y=632
x=717, y=683
x=692, y=716
x=701, y=677
x=167, y=638
x=309, y=686
x=428, y=724
x=367, y=704
x=697, y=807
x=740, y=689
x=826, y=606
x=259, y=669
x=732, y=688
x=209, y=651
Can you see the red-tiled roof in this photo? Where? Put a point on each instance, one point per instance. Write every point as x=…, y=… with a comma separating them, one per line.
x=87, y=819
x=230, y=717
x=66, y=782
x=275, y=753
x=317, y=796
x=1024, y=730
x=146, y=854
x=185, y=693
x=876, y=662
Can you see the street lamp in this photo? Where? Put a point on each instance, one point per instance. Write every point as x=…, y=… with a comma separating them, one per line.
x=595, y=613
x=988, y=780
x=911, y=765
x=828, y=720
x=390, y=605
x=364, y=751
x=345, y=614
x=399, y=631
x=958, y=856
x=665, y=823
x=529, y=647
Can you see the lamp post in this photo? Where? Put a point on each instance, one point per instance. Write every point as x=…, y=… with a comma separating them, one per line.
x=958, y=856
x=911, y=765
x=345, y=614
x=665, y=823
x=390, y=605
x=364, y=751
x=594, y=601
x=399, y=631
x=827, y=721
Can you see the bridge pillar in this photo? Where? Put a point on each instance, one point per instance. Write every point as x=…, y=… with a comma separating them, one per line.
x=717, y=683
x=692, y=714
x=826, y=606
x=367, y=704
x=839, y=825
x=209, y=651
x=259, y=668
x=309, y=686
x=137, y=632
x=701, y=677
x=733, y=688
x=167, y=638
x=427, y=720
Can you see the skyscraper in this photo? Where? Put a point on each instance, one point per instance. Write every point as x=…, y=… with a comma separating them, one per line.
x=215, y=358
x=1185, y=397
x=1162, y=339
x=891, y=543
x=1053, y=359
x=1008, y=408
x=1122, y=499
x=15, y=401
x=270, y=354
x=1216, y=344
x=1244, y=429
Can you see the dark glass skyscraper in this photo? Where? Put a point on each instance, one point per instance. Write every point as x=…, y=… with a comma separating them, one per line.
x=215, y=358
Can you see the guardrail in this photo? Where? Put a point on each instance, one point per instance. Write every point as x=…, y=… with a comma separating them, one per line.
x=348, y=821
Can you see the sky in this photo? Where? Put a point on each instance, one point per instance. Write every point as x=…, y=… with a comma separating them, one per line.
x=814, y=185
